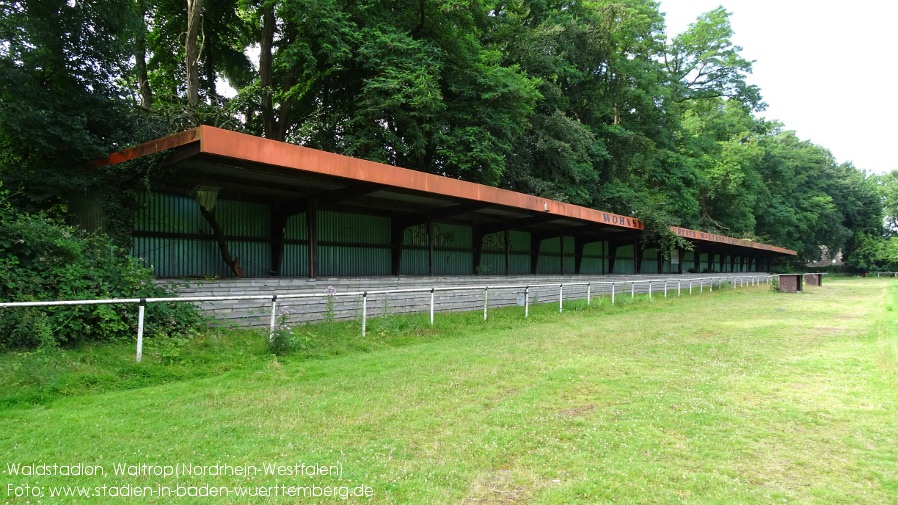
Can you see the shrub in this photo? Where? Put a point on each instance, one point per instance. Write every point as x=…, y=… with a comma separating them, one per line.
x=42, y=260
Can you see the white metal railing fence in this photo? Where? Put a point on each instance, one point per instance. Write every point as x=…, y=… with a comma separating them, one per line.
x=665, y=285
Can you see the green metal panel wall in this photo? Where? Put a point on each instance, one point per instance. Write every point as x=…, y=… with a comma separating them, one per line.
x=492, y=257
x=166, y=213
x=688, y=260
x=550, y=259
x=625, y=261
x=178, y=257
x=570, y=256
x=353, y=244
x=242, y=219
x=247, y=221
x=86, y=209
x=492, y=263
x=649, y=261
x=520, y=252
x=295, y=262
x=453, y=250
x=595, y=260
x=171, y=235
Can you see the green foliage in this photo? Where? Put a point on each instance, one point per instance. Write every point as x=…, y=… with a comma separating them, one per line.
x=704, y=63
x=61, y=104
x=41, y=260
x=583, y=101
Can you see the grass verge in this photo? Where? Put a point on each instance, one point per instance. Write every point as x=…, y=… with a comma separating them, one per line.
x=744, y=396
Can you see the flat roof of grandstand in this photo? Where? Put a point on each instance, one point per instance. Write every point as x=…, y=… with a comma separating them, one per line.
x=251, y=168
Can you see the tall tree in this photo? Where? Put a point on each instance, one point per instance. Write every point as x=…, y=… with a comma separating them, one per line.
x=192, y=49
x=704, y=63
x=61, y=104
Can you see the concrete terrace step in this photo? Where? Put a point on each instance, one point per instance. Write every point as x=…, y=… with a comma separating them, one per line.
x=347, y=302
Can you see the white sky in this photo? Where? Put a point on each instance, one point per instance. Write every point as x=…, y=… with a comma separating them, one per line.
x=826, y=69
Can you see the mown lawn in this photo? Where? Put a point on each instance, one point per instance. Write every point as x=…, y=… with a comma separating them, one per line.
x=738, y=396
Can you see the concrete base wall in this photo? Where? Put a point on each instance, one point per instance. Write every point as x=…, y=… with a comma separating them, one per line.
x=347, y=302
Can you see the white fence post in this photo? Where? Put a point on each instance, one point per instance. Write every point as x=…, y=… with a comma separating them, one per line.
x=526, y=301
x=364, y=311
x=140, y=314
x=431, y=306
x=612, y=293
x=561, y=298
x=588, y=292
x=486, y=297
x=274, y=312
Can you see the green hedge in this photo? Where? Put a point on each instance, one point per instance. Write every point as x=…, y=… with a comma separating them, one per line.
x=41, y=259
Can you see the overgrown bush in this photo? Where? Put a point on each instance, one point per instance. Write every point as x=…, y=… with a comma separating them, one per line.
x=41, y=259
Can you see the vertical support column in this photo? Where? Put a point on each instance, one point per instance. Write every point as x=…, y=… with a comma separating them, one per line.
x=604, y=255
x=312, y=226
x=561, y=252
x=430, y=247
x=507, y=251
x=278, y=230
x=535, y=241
x=612, y=256
x=477, y=236
x=637, y=256
x=397, y=235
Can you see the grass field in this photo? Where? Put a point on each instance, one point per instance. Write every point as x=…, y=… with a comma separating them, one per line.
x=738, y=396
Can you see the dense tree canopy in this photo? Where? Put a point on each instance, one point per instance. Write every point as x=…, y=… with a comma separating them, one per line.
x=585, y=101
